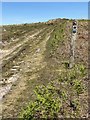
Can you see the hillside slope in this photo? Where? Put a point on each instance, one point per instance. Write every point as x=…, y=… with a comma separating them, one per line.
x=38, y=54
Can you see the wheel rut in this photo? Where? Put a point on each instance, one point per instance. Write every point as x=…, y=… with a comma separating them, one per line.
x=32, y=62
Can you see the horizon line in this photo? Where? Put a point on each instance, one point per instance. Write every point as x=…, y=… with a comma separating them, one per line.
x=1, y=24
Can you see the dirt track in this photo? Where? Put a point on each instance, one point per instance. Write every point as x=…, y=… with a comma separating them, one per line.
x=32, y=62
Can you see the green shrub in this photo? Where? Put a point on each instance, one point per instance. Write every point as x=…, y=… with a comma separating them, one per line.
x=46, y=105
x=78, y=86
x=52, y=98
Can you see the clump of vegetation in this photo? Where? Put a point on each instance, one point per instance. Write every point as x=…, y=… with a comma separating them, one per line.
x=78, y=86
x=46, y=105
x=55, y=99
x=57, y=38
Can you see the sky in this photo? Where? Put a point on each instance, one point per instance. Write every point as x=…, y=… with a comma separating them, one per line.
x=29, y=12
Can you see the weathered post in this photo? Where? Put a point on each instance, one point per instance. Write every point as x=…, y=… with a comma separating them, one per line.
x=72, y=43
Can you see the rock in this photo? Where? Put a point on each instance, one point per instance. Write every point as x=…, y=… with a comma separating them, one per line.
x=38, y=50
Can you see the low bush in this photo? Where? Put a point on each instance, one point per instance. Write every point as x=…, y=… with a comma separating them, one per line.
x=54, y=97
